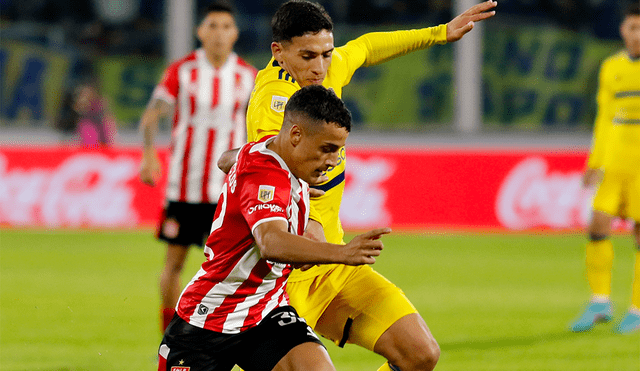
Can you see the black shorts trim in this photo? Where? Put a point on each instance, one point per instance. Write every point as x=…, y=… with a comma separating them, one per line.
x=258, y=348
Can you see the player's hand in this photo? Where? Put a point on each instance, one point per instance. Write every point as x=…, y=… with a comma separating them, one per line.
x=363, y=248
x=313, y=192
x=464, y=23
x=591, y=177
x=150, y=168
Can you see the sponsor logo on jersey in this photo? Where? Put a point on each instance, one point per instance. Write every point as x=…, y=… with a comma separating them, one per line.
x=278, y=103
x=270, y=207
x=180, y=368
x=265, y=193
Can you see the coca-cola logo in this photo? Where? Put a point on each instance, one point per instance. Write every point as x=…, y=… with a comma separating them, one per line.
x=87, y=189
x=532, y=196
x=363, y=203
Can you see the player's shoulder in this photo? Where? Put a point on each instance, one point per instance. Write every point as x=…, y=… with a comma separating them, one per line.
x=255, y=158
x=273, y=87
x=617, y=58
x=190, y=57
x=274, y=75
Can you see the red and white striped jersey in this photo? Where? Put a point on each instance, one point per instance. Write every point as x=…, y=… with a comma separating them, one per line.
x=236, y=288
x=210, y=108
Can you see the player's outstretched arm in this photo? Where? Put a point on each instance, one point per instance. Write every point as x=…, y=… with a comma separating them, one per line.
x=277, y=244
x=464, y=22
x=150, y=165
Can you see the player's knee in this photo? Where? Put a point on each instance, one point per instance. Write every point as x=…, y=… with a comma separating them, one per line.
x=425, y=358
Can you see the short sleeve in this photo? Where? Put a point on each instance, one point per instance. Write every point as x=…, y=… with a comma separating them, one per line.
x=169, y=86
x=265, y=194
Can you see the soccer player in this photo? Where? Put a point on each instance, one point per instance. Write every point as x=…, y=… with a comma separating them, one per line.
x=343, y=303
x=206, y=92
x=615, y=152
x=235, y=309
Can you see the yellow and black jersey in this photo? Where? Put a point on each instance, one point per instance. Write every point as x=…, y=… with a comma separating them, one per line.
x=616, y=135
x=274, y=86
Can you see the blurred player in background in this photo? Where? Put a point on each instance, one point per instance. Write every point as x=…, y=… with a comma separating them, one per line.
x=235, y=310
x=616, y=153
x=343, y=303
x=206, y=92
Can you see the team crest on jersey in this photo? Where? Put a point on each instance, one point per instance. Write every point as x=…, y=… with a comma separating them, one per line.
x=278, y=103
x=265, y=193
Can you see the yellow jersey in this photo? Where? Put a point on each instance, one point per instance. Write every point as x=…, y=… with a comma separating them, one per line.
x=616, y=135
x=274, y=86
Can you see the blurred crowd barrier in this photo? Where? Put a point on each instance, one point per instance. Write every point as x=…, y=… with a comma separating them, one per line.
x=534, y=79
x=406, y=189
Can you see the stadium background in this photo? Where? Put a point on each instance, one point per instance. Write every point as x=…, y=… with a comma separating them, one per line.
x=501, y=198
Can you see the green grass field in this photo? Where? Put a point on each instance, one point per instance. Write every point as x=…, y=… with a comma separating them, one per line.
x=88, y=300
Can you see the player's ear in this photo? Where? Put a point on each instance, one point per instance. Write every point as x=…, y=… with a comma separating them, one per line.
x=199, y=32
x=276, y=50
x=295, y=135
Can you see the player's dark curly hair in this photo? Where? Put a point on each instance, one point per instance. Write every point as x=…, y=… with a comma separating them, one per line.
x=297, y=17
x=321, y=104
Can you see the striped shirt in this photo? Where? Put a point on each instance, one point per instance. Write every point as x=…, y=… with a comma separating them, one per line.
x=210, y=106
x=235, y=287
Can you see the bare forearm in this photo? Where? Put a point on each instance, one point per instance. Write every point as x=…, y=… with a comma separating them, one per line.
x=285, y=247
x=277, y=244
x=156, y=111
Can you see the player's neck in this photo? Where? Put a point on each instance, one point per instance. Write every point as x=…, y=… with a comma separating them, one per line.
x=216, y=60
x=277, y=146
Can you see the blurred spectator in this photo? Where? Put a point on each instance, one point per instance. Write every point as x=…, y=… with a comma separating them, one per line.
x=94, y=124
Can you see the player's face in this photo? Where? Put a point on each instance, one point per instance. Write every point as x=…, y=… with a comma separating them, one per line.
x=630, y=31
x=218, y=33
x=318, y=151
x=307, y=57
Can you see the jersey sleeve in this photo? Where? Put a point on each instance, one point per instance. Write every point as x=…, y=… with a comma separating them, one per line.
x=603, y=123
x=167, y=89
x=264, y=196
x=383, y=46
x=378, y=47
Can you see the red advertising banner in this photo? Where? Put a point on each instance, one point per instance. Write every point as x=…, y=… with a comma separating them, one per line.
x=465, y=189
x=407, y=189
x=70, y=187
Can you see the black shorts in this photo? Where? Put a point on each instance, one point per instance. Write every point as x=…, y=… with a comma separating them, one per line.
x=186, y=347
x=186, y=224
